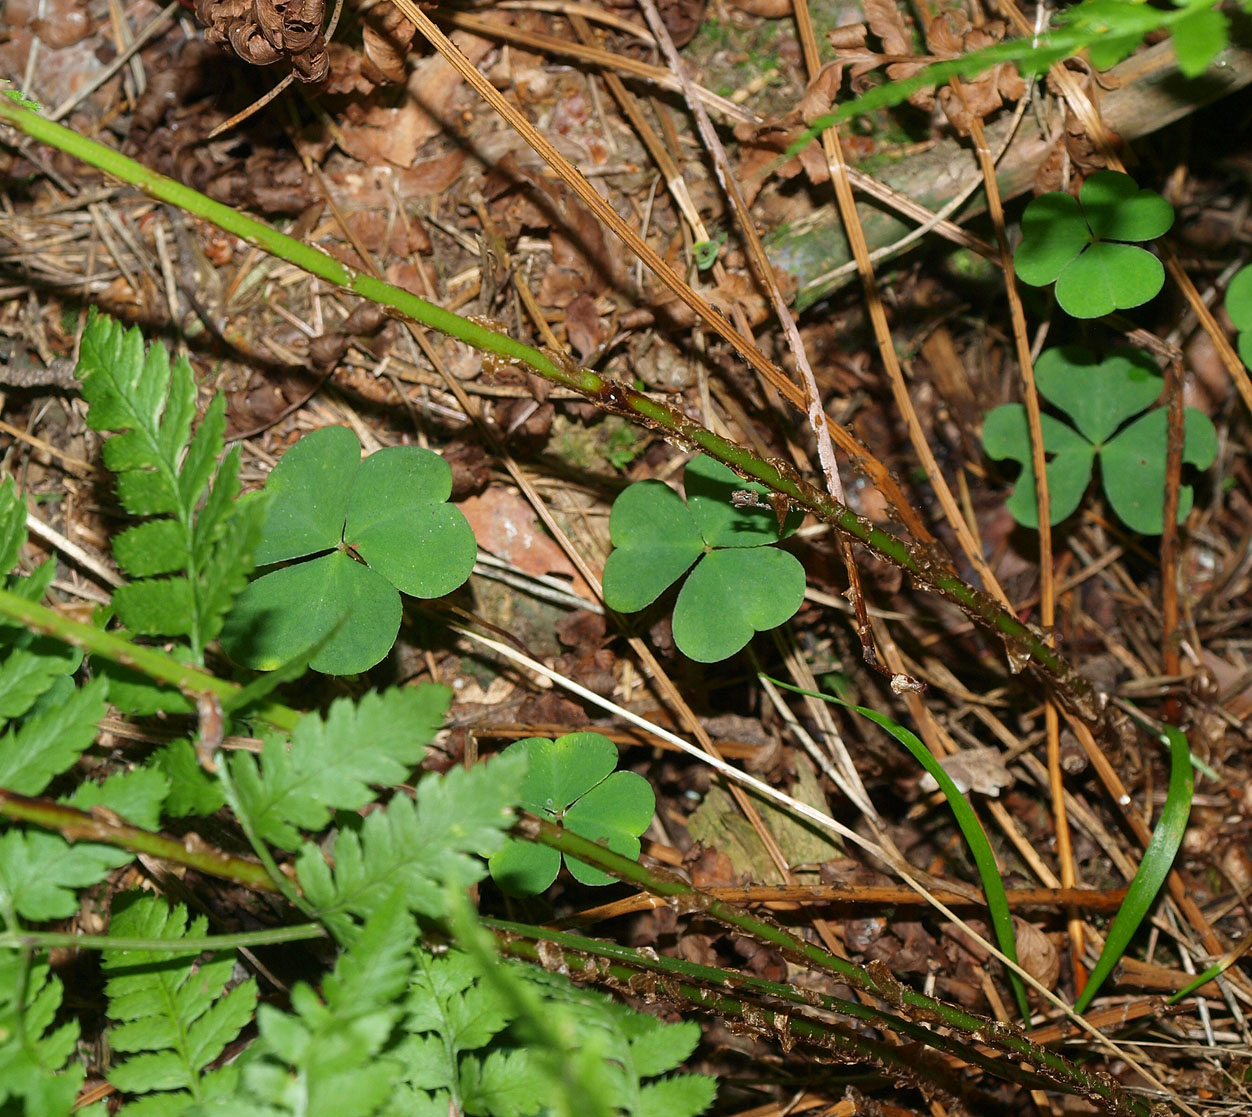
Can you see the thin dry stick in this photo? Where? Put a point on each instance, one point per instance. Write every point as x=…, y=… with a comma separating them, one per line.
x=882, y=331
x=1047, y=586
x=588, y=195
x=674, y=182
x=595, y=56
x=1082, y=107
x=672, y=695
x=818, y=422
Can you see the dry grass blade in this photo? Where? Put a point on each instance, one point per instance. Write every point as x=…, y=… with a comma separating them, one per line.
x=700, y=306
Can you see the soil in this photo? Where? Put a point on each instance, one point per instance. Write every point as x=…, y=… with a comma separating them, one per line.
x=380, y=154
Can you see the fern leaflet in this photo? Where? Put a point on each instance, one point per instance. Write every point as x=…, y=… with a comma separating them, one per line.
x=34, y=1077
x=332, y=760
x=189, y=565
x=420, y=845
x=168, y=1010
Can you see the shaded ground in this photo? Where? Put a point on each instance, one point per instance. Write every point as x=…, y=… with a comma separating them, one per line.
x=393, y=165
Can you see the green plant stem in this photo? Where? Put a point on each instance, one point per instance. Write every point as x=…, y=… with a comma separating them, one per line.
x=153, y=663
x=845, y=1045
x=926, y=565
x=81, y=826
x=572, y=946
x=47, y=940
x=971, y=829
x=875, y=979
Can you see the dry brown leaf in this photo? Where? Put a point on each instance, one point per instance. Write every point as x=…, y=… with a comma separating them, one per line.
x=821, y=92
x=583, y=326
x=396, y=134
x=62, y=23
x=1037, y=953
x=886, y=21
x=766, y=9
x=505, y=524
x=387, y=37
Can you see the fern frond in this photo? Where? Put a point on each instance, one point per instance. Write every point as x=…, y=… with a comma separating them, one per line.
x=420, y=845
x=34, y=1077
x=52, y=738
x=169, y=1011
x=332, y=761
x=40, y=872
x=332, y=1057
x=189, y=564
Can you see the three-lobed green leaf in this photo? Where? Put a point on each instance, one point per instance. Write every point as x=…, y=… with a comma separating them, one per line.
x=572, y=781
x=740, y=585
x=1100, y=396
x=1078, y=244
x=356, y=532
x=1239, y=307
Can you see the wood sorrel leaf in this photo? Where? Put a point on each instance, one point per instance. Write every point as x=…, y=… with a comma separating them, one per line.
x=399, y=523
x=571, y=781
x=288, y=611
x=1099, y=395
x=390, y=511
x=732, y=595
x=722, y=521
x=309, y=491
x=655, y=541
x=1133, y=467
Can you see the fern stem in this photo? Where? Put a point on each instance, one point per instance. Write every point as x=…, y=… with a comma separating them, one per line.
x=846, y=1045
x=876, y=979
x=521, y=940
x=1025, y=645
x=49, y=940
x=153, y=663
x=80, y=826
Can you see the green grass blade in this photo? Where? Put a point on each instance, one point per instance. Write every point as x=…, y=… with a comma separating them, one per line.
x=1154, y=867
x=971, y=828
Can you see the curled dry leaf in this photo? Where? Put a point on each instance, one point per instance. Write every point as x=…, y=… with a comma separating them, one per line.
x=387, y=36
x=263, y=32
x=395, y=135
x=949, y=36
x=1037, y=954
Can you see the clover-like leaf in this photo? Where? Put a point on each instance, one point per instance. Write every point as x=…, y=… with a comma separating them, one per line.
x=357, y=532
x=1100, y=396
x=571, y=781
x=309, y=492
x=1239, y=307
x=1006, y=435
x=1077, y=243
x=399, y=523
x=1239, y=299
x=723, y=522
x=732, y=595
x=655, y=541
x=1133, y=467
x=739, y=586
x=1117, y=209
